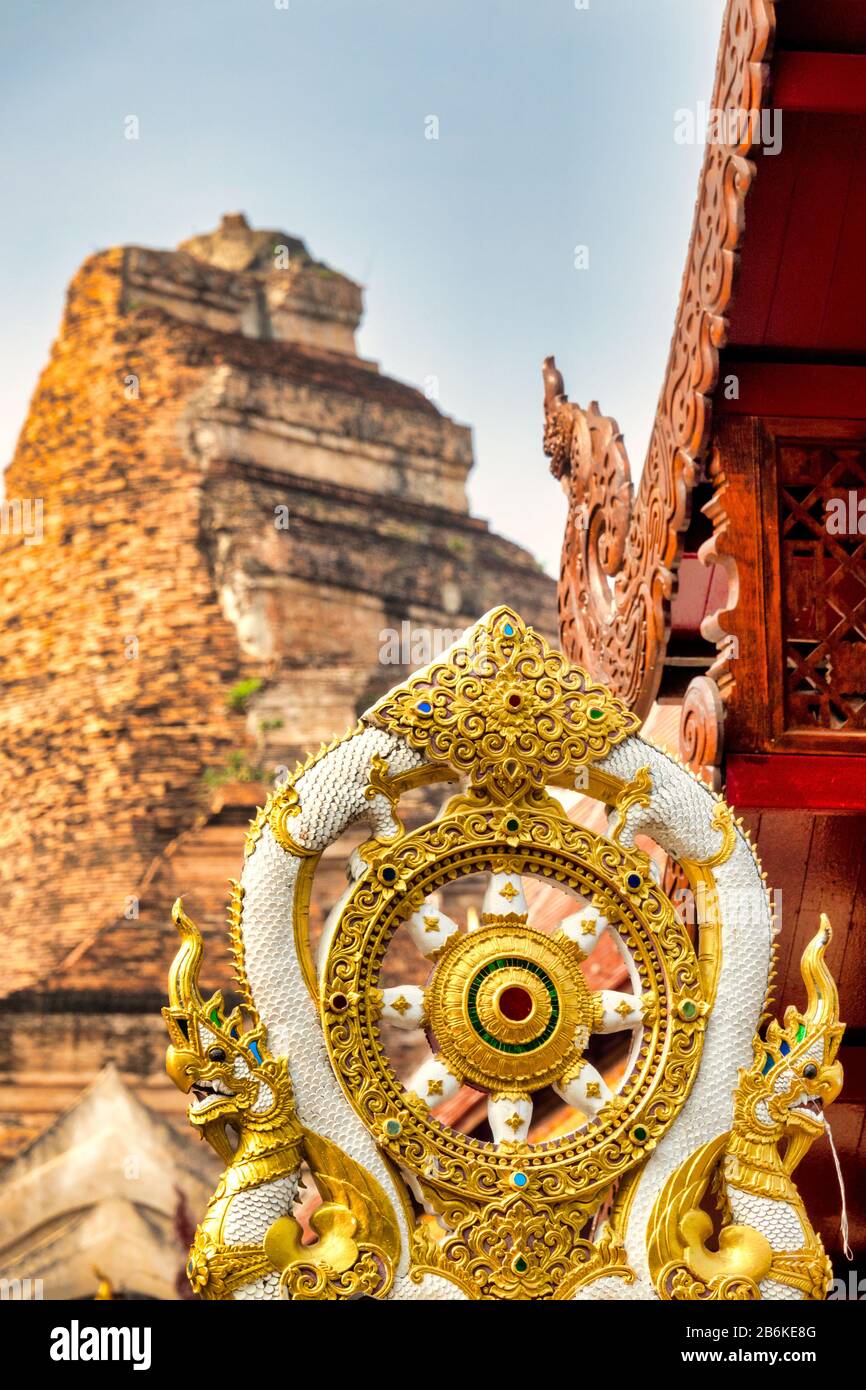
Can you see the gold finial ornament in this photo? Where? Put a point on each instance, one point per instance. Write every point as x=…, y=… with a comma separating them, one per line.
x=411, y=1207
x=507, y=711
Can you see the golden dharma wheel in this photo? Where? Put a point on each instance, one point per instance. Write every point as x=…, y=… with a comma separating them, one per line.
x=413, y=1207
x=507, y=1008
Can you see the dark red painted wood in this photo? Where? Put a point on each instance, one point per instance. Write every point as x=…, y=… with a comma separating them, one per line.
x=830, y=886
x=767, y=209
x=835, y=26
x=816, y=1180
x=843, y=328
x=827, y=82
x=801, y=781
x=798, y=390
x=784, y=840
x=801, y=281
x=807, y=250
x=852, y=977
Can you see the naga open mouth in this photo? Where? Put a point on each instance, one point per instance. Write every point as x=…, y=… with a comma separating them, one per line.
x=812, y=1106
x=206, y=1091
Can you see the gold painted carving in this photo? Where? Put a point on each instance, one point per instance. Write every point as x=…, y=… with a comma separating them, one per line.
x=560, y=1002
x=508, y=1009
x=522, y=1249
x=358, y=1244
x=507, y=711
x=470, y=841
x=638, y=792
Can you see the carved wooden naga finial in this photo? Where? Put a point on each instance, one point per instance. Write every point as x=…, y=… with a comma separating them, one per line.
x=620, y=551
x=558, y=420
x=611, y=621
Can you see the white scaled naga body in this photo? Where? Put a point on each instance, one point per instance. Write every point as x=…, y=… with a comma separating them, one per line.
x=298, y=1075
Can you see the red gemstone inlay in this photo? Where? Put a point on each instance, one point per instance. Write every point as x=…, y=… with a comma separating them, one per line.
x=514, y=701
x=515, y=1004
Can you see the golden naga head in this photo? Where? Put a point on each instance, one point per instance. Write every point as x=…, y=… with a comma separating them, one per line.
x=233, y=1079
x=795, y=1076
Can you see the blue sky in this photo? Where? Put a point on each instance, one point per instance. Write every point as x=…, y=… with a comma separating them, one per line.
x=556, y=129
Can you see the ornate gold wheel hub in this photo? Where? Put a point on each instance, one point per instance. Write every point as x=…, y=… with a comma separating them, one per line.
x=508, y=1006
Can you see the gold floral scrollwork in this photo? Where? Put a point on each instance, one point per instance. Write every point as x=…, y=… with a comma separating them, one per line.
x=723, y=819
x=519, y=1249
x=699, y=873
x=307, y=1281
x=506, y=710
x=605, y=1258
x=678, y=1283
x=381, y=784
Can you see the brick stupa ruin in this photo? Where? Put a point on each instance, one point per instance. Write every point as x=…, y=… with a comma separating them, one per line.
x=194, y=402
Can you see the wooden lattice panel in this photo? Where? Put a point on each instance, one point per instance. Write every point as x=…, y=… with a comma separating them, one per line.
x=822, y=555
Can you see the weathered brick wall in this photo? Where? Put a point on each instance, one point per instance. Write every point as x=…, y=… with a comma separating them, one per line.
x=162, y=579
x=114, y=653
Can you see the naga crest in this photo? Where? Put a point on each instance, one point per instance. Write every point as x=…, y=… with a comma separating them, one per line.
x=502, y=943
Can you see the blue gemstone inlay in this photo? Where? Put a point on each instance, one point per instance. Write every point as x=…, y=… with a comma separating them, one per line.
x=508, y=630
x=254, y=1049
x=425, y=707
x=633, y=880
x=519, y=1179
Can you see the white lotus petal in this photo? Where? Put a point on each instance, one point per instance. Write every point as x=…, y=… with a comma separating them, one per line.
x=434, y=1082
x=504, y=895
x=430, y=929
x=587, y=1090
x=585, y=928
x=510, y=1117
x=619, y=1011
x=404, y=1006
